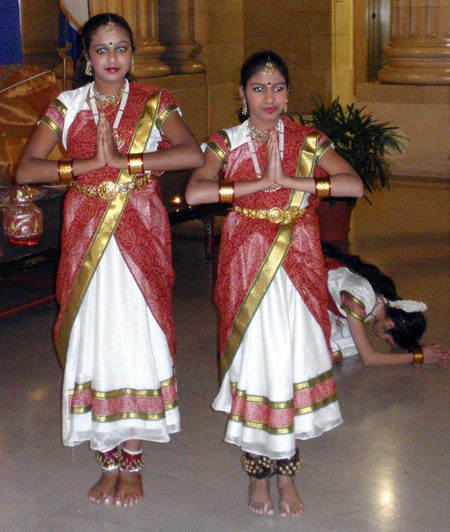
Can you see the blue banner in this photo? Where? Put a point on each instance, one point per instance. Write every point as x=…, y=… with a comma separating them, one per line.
x=74, y=13
x=10, y=34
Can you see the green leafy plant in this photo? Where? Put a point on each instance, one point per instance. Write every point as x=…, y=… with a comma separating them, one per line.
x=362, y=141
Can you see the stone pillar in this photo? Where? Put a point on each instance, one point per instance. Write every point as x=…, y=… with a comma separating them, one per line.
x=418, y=52
x=142, y=16
x=177, y=32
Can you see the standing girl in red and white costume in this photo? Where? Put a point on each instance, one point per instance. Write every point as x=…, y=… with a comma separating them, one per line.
x=114, y=332
x=277, y=380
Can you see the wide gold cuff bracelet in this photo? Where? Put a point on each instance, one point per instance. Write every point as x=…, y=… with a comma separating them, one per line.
x=323, y=187
x=135, y=163
x=226, y=191
x=65, y=169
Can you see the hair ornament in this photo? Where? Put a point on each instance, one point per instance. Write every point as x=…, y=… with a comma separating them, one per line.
x=110, y=27
x=269, y=69
x=408, y=305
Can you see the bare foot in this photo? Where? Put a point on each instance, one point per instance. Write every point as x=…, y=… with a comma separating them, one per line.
x=129, y=488
x=290, y=502
x=103, y=491
x=259, y=501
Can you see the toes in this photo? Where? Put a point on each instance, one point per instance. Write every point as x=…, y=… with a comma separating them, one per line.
x=128, y=499
x=294, y=510
x=261, y=509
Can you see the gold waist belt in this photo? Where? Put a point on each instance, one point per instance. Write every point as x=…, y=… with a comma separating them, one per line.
x=274, y=215
x=108, y=190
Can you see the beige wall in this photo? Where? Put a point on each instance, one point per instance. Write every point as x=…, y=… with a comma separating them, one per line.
x=300, y=32
x=413, y=208
x=360, y=42
x=418, y=202
x=422, y=114
x=220, y=31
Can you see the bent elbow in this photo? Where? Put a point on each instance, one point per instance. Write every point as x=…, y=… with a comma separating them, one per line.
x=21, y=176
x=369, y=361
x=198, y=160
x=358, y=190
x=190, y=197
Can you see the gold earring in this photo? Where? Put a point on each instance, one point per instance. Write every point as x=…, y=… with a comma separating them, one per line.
x=244, y=107
x=285, y=110
x=132, y=64
x=88, y=69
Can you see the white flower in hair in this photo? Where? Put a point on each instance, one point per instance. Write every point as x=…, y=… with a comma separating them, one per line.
x=408, y=305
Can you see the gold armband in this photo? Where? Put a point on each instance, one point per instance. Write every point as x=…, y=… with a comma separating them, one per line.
x=323, y=187
x=65, y=169
x=226, y=191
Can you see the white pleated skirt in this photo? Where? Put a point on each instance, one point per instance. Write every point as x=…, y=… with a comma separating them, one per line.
x=118, y=356
x=283, y=352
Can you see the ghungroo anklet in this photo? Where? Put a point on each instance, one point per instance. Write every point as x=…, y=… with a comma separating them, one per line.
x=110, y=459
x=289, y=466
x=131, y=461
x=257, y=467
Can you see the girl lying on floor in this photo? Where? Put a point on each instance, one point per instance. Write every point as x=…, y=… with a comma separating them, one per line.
x=359, y=293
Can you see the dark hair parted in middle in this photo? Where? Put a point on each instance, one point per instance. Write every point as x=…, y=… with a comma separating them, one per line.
x=254, y=64
x=258, y=60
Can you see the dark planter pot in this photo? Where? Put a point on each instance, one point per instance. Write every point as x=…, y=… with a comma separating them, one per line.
x=334, y=223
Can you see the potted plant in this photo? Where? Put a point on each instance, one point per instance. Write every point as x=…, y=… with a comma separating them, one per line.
x=363, y=142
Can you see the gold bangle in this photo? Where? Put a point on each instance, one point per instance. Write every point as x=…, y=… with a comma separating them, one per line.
x=417, y=356
x=65, y=169
x=135, y=163
x=323, y=187
x=226, y=191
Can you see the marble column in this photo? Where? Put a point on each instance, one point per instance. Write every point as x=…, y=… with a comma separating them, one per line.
x=177, y=33
x=142, y=16
x=418, y=52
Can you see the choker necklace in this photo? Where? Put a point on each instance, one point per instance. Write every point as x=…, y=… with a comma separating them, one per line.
x=261, y=136
x=124, y=97
x=250, y=132
x=104, y=100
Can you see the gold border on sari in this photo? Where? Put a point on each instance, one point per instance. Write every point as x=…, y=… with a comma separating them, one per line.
x=62, y=107
x=114, y=394
x=49, y=122
x=283, y=405
x=164, y=114
x=52, y=125
x=225, y=137
x=309, y=154
x=106, y=228
x=215, y=148
x=358, y=303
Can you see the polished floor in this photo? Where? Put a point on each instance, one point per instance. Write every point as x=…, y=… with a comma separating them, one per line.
x=386, y=468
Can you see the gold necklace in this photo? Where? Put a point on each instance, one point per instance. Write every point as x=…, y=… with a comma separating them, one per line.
x=104, y=100
x=260, y=136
